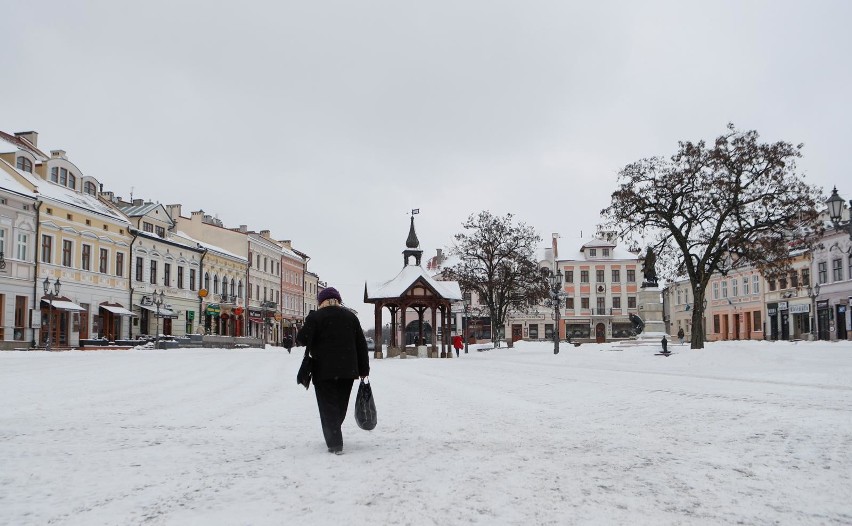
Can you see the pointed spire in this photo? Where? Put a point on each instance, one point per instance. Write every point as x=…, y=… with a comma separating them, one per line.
x=412, y=244
x=412, y=241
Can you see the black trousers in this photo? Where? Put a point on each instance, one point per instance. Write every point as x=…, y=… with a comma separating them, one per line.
x=332, y=401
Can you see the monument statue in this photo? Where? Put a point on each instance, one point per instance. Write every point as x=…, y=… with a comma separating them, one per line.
x=649, y=273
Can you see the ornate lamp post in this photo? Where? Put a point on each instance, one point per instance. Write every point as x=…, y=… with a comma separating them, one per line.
x=51, y=294
x=835, y=211
x=813, y=292
x=159, y=301
x=555, y=295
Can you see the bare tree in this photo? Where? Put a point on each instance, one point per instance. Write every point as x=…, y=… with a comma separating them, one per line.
x=497, y=261
x=711, y=208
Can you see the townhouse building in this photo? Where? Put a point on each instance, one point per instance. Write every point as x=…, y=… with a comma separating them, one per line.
x=600, y=287
x=311, y=291
x=736, y=308
x=789, y=309
x=221, y=298
x=166, y=271
x=18, y=221
x=81, y=243
x=678, y=305
x=293, y=266
x=832, y=270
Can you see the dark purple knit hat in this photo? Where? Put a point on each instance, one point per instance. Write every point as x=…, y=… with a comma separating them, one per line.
x=326, y=293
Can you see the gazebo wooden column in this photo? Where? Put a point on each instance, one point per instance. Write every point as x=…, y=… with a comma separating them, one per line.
x=403, y=310
x=377, y=337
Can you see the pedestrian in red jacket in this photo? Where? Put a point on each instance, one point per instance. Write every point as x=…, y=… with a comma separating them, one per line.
x=457, y=344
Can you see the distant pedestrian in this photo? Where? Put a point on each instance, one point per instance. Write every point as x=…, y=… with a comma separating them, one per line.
x=680, y=335
x=288, y=343
x=665, y=345
x=457, y=344
x=335, y=340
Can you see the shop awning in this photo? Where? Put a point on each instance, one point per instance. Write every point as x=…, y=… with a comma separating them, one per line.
x=117, y=309
x=256, y=320
x=63, y=305
x=164, y=312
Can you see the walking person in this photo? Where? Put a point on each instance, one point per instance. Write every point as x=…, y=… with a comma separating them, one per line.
x=457, y=344
x=665, y=344
x=288, y=343
x=680, y=335
x=338, y=349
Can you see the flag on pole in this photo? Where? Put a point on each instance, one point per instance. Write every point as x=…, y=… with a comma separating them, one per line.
x=415, y=211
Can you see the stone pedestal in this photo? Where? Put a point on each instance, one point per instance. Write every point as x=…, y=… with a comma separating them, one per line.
x=422, y=351
x=651, y=311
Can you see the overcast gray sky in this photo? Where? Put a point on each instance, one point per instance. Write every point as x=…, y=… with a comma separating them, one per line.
x=328, y=121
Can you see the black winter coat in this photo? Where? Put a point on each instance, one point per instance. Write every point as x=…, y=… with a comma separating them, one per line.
x=336, y=342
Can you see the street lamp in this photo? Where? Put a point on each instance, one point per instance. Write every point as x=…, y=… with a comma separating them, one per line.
x=835, y=211
x=555, y=289
x=159, y=301
x=813, y=292
x=51, y=294
x=466, y=324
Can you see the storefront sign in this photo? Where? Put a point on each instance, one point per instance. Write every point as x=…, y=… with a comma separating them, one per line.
x=782, y=305
x=213, y=309
x=772, y=309
x=822, y=304
x=190, y=315
x=800, y=308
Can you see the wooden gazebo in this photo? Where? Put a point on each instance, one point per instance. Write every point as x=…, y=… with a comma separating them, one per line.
x=413, y=290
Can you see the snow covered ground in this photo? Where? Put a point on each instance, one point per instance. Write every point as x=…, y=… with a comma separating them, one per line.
x=740, y=432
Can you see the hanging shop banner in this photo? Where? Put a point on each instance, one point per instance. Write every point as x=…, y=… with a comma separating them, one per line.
x=213, y=309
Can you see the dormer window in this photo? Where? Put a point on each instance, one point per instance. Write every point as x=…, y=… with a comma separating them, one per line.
x=161, y=231
x=593, y=252
x=147, y=227
x=25, y=164
x=90, y=188
x=64, y=177
x=606, y=252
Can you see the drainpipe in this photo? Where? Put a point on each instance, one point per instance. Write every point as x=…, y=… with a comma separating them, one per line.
x=247, y=293
x=130, y=277
x=36, y=303
x=200, y=275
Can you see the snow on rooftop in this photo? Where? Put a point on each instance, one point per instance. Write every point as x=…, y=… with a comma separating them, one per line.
x=395, y=287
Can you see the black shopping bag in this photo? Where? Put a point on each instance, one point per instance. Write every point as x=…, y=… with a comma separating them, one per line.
x=365, y=406
x=303, y=377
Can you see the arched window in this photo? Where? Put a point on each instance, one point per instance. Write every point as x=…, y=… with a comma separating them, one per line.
x=240, y=289
x=90, y=188
x=232, y=287
x=207, y=281
x=72, y=181
x=224, y=285
x=25, y=164
x=215, y=284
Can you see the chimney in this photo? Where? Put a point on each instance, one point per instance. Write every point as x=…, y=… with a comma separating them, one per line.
x=58, y=154
x=29, y=136
x=243, y=228
x=174, y=211
x=554, y=245
x=265, y=234
x=138, y=202
x=196, y=213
